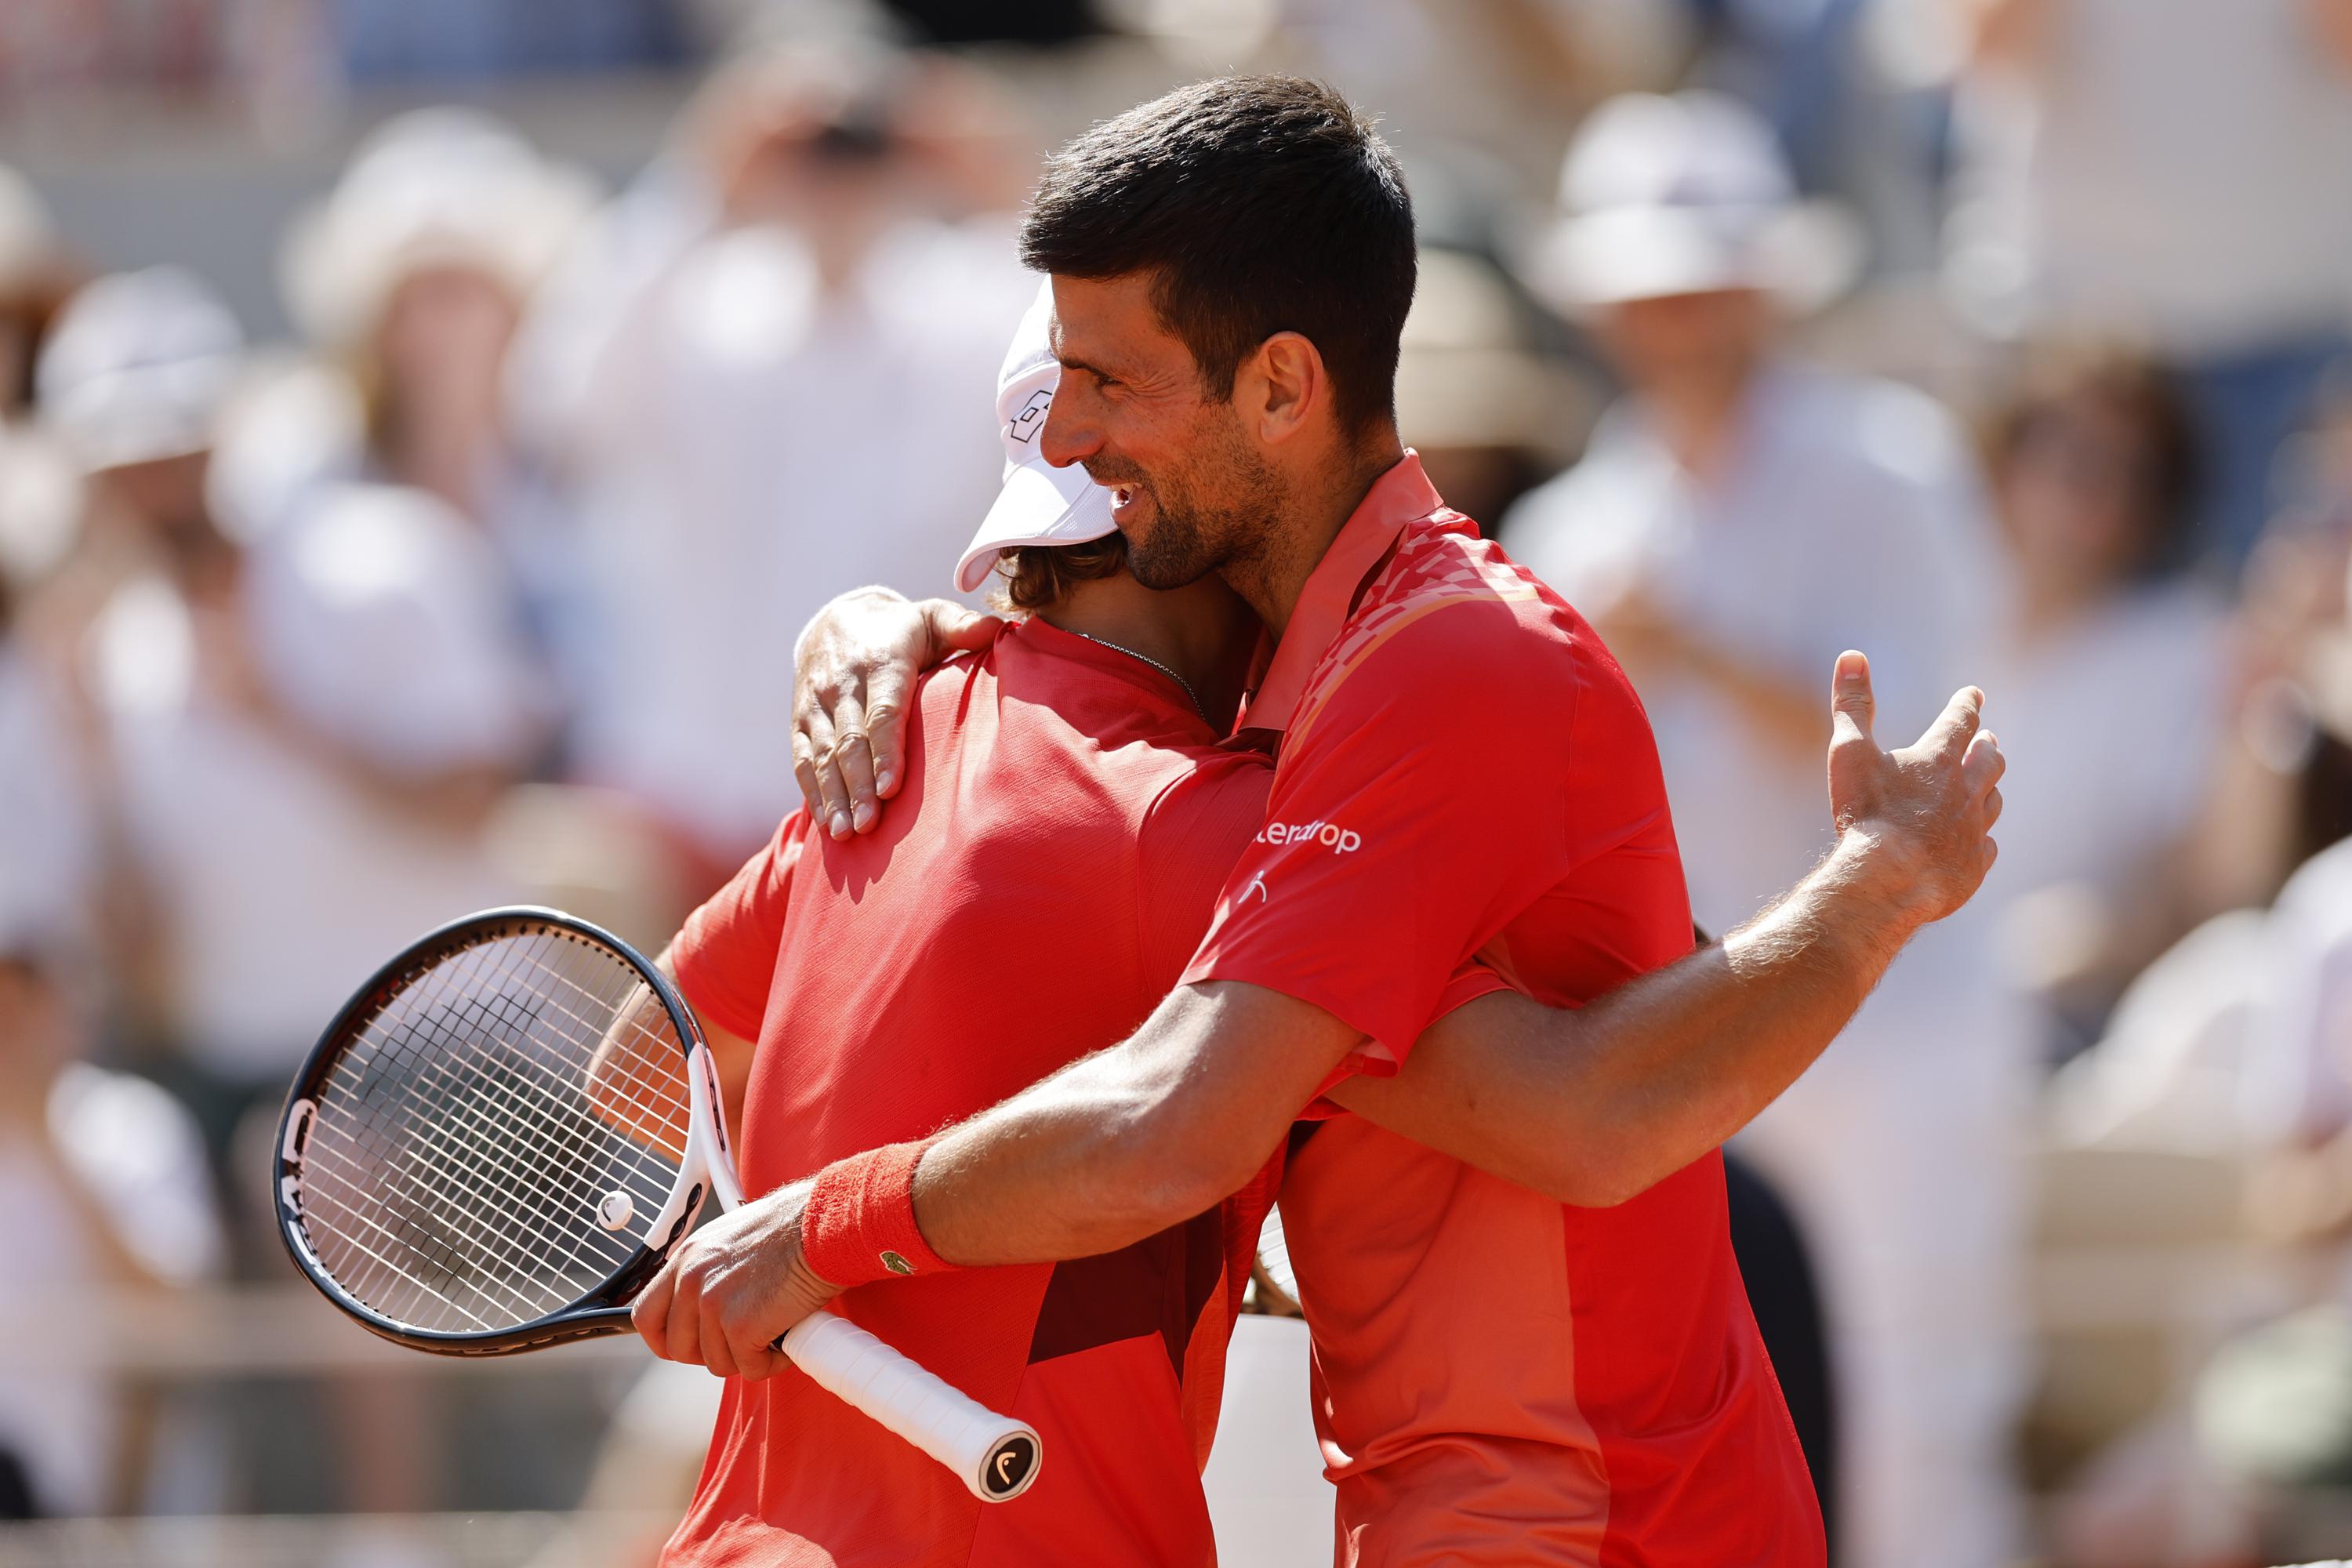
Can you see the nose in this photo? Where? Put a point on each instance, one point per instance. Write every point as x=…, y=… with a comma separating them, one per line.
x=1072, y=434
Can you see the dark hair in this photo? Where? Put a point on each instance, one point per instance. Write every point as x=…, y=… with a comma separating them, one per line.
x=1262, y=204
x=2058, y=372
x=1036, y=575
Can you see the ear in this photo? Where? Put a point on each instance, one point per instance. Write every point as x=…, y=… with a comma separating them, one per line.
x=1283, y=387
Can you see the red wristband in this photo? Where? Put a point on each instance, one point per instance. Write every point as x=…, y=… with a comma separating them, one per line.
x=859, y=1226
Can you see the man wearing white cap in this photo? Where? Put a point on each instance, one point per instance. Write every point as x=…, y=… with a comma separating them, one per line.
x=1735, y=522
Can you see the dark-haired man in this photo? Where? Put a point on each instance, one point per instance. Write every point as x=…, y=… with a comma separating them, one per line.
x=1500, y=1379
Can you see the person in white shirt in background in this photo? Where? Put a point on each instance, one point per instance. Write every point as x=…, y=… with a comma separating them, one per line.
x=762, y=381
x=2230, y=1054
x=1736, y=519
x=2172, y=171
x=103, y=1183
x=385, y=452
x=293, y=740
x=2116, y=678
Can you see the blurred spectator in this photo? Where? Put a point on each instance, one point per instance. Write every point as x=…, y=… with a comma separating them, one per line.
x=102, y=1184
x=391, y=455
x=34, y=279
x=2173, y=170
x=765, y=380
x=1735, y=522
x=2283, y=788
x=2113, y=652
x=2235, y=1047
x=102, y=1177
x=1490, y=415
x=281, y=840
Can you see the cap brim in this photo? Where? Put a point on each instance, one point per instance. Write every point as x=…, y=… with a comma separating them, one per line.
x=1805, y=255
x=1040, y=504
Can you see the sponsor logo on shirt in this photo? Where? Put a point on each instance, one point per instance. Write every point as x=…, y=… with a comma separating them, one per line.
x=1337, y=840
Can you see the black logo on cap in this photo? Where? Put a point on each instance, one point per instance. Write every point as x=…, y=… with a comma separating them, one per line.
x=1024, y=426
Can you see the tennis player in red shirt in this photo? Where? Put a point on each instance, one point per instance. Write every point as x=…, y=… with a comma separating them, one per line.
x=1499, y=1379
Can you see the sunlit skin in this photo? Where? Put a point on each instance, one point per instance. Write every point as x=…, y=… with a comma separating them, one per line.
x=1254, y=487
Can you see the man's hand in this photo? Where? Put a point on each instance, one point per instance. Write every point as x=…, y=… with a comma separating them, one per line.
x=1593, y=1105
x=732, y=1288
x=1913, y=822
x=854, y=669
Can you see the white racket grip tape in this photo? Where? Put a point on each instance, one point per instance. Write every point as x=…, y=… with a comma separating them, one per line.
x=996, y=1457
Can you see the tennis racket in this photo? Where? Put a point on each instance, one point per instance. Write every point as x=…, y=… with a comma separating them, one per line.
x=499, y=1139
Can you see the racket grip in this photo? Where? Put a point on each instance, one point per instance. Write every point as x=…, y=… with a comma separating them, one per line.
x=995, y=1456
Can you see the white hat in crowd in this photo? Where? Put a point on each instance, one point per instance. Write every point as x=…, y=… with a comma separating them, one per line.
x=1687, y=194
x=436, y=187
x=138, y=368
x=1040, y=503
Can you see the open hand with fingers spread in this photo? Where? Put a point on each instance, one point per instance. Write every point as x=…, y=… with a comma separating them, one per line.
x=1913, y=824
x=854, y=672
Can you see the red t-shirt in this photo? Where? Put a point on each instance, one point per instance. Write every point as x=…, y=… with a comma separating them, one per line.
x=1464, y=771
x=1030, y=897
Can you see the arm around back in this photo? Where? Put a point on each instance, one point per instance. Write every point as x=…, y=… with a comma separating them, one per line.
x=1133, y=1138
x=1593, y=1106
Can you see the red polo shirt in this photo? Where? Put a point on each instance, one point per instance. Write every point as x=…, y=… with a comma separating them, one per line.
x=1498, y=1380
x=1030, y=897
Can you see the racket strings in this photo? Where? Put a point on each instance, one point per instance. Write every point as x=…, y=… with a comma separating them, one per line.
x=505, y=1241
x=437, y=1143
x=464, y=1143
x=450, y=1244
x=472, y=1125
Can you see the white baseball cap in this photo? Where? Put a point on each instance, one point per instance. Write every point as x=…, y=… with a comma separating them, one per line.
x=1682, y=195
x=446, y=186
x=1040, y=503
x=139, y=368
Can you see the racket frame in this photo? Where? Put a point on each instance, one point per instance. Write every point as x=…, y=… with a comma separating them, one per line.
x=997, y=1458
x=604, y=1309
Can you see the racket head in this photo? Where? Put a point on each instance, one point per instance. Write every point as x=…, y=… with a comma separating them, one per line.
x=466, y=1165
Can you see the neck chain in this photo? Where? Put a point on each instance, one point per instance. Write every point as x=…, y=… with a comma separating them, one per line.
x=1155, y=664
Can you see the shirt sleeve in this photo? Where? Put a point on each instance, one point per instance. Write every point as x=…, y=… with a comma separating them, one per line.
x=725, y=955
x=1419, y=805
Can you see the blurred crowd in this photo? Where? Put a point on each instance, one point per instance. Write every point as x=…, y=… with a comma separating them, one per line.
x=2008, y=340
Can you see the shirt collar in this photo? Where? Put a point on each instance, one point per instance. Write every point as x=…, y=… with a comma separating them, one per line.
x=1401, y=496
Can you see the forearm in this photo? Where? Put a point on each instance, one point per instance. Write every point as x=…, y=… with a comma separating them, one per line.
x=1686, y=1063
x=1045, y=1176
x=1593, y=1106
x=1131, y=1140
